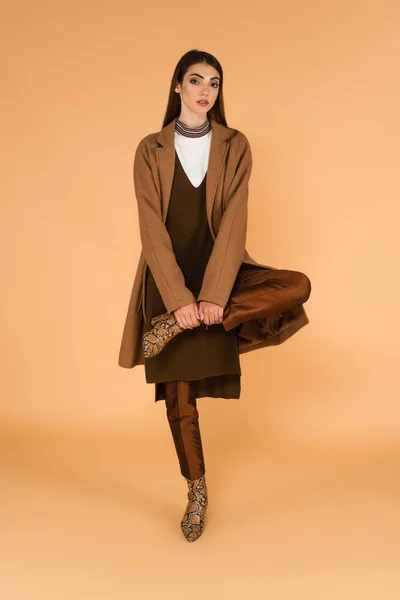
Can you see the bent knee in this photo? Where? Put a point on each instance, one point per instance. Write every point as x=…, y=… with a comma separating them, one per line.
x=303, y=285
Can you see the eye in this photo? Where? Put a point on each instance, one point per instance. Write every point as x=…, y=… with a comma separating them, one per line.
x=214, y=84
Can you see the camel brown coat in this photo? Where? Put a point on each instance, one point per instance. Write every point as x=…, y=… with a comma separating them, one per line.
x=228, y=174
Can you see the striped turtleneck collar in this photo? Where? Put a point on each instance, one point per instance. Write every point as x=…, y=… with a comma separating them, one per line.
x=183, y=129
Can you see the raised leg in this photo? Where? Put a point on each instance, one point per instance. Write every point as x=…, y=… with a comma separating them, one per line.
x=259, y=293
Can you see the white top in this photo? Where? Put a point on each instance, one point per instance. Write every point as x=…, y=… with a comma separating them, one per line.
x=193, y=154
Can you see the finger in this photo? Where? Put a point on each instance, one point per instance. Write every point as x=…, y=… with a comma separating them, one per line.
x=190, y=322
x=206, y=318
x=196, y=321
x=197, y=312
x=182, y=321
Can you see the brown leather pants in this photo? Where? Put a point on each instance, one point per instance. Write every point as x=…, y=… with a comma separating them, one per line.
x=183, y=418
x=259, y=293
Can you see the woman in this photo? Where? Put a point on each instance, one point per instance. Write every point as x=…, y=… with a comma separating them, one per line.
x=191, y=183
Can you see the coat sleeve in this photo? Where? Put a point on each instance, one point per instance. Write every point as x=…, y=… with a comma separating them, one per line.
x=156, y=242
x=229, y=246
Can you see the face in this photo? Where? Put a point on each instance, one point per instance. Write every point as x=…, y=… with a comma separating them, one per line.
x=200, y=82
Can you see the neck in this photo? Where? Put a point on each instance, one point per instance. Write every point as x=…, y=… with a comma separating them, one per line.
x=193, y=121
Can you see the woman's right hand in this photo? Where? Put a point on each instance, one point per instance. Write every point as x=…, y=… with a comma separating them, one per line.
x=188, y=316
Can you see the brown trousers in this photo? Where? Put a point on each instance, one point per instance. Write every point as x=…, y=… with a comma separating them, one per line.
x=259, y=293
x=256, y=293
x=183, y=419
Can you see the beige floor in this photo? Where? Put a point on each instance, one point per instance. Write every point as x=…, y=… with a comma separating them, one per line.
x=97, y=517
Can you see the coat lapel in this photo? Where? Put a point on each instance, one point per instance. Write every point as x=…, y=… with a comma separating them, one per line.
x=165, y=156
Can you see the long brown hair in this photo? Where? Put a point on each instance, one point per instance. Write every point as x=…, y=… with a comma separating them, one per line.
x=192, y=57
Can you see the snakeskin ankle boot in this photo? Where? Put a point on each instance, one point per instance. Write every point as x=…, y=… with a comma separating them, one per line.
x=192, y=522
x=165, y=327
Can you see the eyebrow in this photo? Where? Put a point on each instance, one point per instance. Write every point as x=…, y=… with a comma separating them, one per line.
x=198, y=75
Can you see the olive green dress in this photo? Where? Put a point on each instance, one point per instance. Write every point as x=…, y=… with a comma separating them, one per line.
x=209, y=357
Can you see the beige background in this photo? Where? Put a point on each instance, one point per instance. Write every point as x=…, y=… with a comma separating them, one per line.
x=303, y=469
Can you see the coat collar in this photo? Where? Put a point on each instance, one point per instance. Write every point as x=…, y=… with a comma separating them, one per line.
x=165, y=155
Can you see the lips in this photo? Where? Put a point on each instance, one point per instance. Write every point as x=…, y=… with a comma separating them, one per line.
x=202, y=102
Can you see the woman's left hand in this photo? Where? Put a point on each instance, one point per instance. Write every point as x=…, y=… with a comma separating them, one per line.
x=210, y=313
